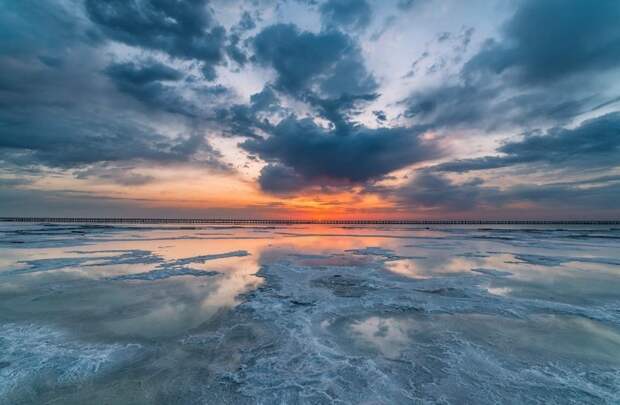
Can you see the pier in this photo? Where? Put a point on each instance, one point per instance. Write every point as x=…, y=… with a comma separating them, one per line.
x=247, y=221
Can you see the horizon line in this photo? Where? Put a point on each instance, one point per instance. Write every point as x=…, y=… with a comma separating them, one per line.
x=137, y=220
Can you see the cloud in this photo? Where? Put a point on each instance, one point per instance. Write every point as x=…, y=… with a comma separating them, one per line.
x=14, y=182
x=601, y=196
x=328, y=62
x=429, y=190
x=280, y=179
x=248, y=119
x=145, y=81
x=380, y=115
x=544, y=69
x=406, y=4
x=234, y=51
x=326, y=71
x=354, y=14
x=107, y=89
x=322, y=156
x=50, y=29
x=182, y=29
x=65, y=115
x=235, y=47
x=139, y=74
x=58, y=138
x=595, y=143
x=491, y=104
x=123, y=175
x=549, y=40
x=246, y=23
x=432, y=191
x=67, y=118
x=340, y=111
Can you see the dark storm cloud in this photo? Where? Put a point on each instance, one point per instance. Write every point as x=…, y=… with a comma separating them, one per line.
x=354, y=14
x=247, y=119
x=28, y=27
x=548, y=40
x=64, y=114
x=279, y=179
x=235, y=46
x=340, y=111
x=543, y=69
x=595, y=143
x=182, y=29
x=58, y=138
x=147, y=72
x=485, y=105
x=320, y=155
x=208, y=73
x=68, y=106
x=324, y=70
x=491, y=105
x=145, y=81
x=328, y=61
x=327, y=72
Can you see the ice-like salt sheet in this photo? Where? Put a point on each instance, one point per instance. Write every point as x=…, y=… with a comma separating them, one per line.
x=38, y=358
x=309, y=314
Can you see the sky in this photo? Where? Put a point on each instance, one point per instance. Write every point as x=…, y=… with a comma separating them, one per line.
x=310, y=109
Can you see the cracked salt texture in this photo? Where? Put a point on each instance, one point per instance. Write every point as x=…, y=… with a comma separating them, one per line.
x=317, y=314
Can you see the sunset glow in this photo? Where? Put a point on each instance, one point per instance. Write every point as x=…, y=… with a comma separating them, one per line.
x=310, y=109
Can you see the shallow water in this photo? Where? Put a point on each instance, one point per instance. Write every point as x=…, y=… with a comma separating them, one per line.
x=309, y=314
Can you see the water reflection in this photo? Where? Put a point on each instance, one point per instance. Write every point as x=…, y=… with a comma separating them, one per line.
x=260, y=313
x=389, y=335
x=532, y=341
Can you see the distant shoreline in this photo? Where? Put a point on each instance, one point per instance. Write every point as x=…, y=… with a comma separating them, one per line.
x=246, y=221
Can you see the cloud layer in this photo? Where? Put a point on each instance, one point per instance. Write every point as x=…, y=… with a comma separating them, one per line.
x=427, y=108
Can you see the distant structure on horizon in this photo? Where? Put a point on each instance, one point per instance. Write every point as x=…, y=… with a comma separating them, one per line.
x=246, y=221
